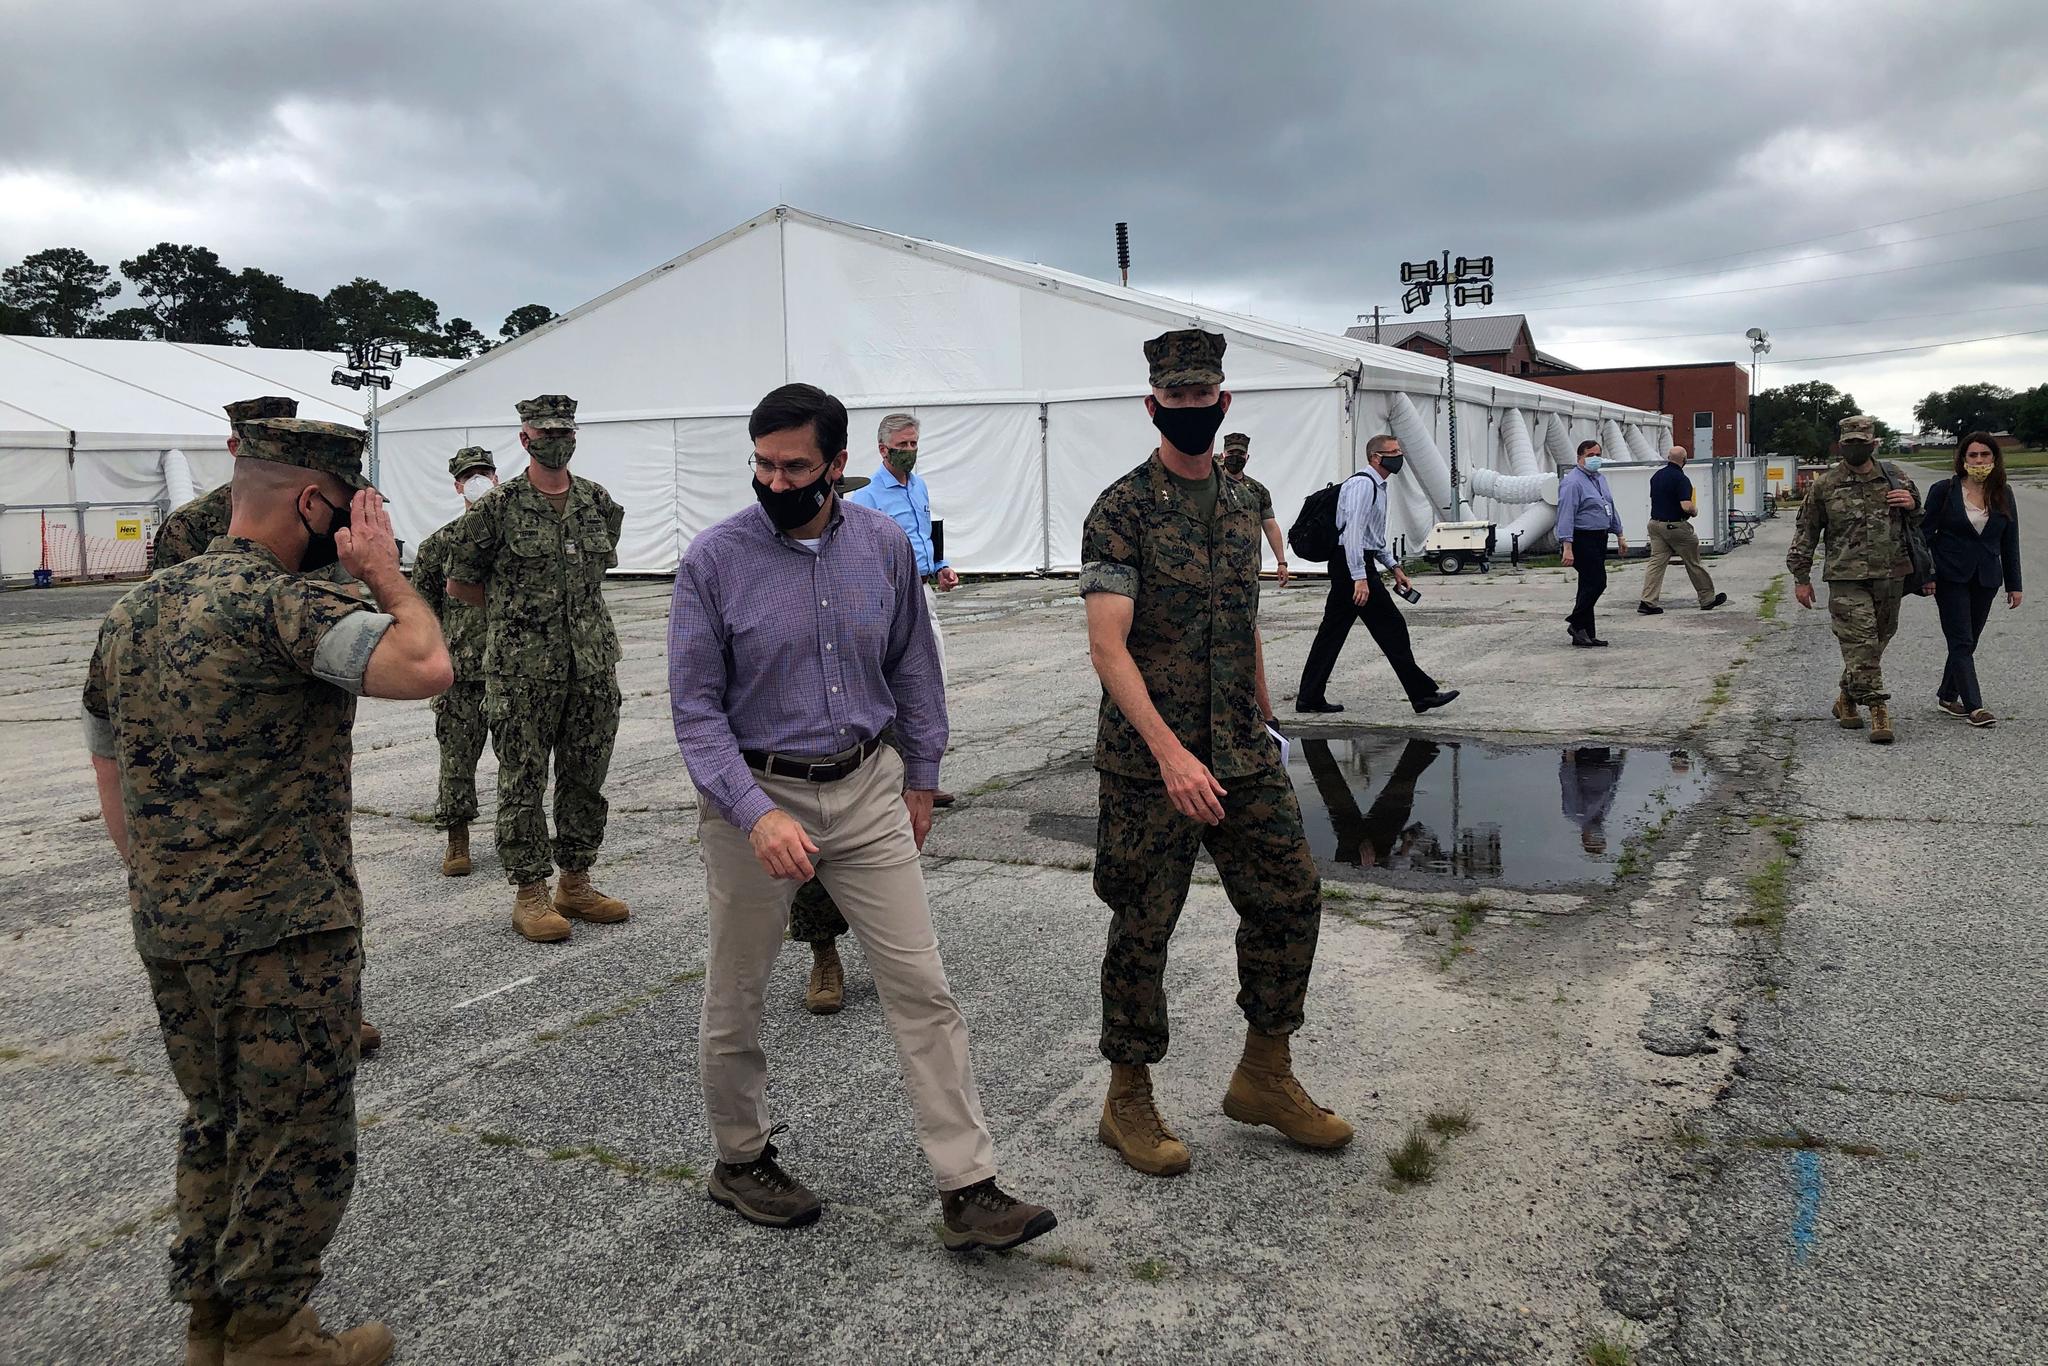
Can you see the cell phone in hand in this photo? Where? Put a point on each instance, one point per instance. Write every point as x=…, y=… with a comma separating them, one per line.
x=1411, y=593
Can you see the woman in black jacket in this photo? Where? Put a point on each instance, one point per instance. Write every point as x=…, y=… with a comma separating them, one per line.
x=1972, y=527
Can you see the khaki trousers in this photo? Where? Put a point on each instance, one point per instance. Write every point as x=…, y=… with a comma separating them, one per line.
x=1675, y=538
x=867, y=859
x=931, y=607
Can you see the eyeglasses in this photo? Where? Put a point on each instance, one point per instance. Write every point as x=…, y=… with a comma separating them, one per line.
x=768, y=469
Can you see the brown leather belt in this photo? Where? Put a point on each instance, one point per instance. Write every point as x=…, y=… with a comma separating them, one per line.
x=827, y=770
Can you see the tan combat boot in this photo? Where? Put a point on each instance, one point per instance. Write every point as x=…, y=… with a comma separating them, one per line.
x=1846, y=713
x=1263, y=1091
x=1131, y=1124
x=1880, y=724
x=533, y=917
x=827, y=991
x=455, y=863
x=577, y=899
x=206, y=1333
x=300, y=1342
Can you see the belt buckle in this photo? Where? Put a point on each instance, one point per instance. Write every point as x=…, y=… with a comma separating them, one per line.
x=811, y=773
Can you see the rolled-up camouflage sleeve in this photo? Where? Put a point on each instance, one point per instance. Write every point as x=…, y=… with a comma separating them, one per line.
x=473, y=543
x=99, y=725
x=615, y=522
x=1109, y=547
x=325, y=632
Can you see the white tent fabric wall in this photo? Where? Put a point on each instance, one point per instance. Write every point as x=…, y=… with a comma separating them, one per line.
x=979, y=347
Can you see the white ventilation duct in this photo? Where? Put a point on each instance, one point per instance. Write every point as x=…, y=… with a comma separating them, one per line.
x=1536, y=525
x=178, y=478
x=1643, y=445
x=1432, y=472
x=1558, y=446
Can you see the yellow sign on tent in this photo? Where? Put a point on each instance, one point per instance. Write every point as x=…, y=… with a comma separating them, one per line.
x=1776, y=474
x=1738, y=483
x=128, y=529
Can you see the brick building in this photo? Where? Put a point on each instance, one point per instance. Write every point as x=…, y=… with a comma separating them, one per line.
x=1708, y=402
x=1501, y=344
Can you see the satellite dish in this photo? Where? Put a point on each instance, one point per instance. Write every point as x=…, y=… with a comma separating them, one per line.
x=1755, y=334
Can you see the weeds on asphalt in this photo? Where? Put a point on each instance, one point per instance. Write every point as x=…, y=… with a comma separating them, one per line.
x=1604, y=1350
x=1414, y=1162
x=1151, y=1271
x=1768, y=898
x=1768, y=600
x=1449, y=1123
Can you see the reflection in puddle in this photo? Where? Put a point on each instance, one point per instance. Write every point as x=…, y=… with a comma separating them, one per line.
x=1457, y=808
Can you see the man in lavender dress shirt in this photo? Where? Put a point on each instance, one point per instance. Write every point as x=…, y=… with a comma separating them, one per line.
x=797, y=635
x=1585, y=515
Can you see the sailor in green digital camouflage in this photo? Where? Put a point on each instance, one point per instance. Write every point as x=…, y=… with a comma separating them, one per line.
x=218, y=708
x=1866, y=524
x=532, y=554
x=1170, y=565
x=459, y=723
x=198, y=524
x=1237, y=453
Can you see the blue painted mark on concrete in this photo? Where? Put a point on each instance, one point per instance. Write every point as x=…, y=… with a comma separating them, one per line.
x=1806, y=1177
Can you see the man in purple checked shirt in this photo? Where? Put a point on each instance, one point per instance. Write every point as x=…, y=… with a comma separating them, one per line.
x=797, y=635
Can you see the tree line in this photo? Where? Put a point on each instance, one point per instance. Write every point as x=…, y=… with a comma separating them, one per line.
x=184, y=293
x=1798, y=420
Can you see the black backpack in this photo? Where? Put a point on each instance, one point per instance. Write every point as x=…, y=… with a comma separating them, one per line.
x=1314, y=533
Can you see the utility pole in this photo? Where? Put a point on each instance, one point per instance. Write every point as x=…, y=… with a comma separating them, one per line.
x=1374, y=317
x=1468, y=280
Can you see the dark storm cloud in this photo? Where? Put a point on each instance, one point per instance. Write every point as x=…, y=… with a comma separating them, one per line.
x=1280, y=158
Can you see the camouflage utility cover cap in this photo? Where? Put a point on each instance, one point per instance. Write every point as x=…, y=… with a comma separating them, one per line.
x=1191, y=356
x=328, y=447
x=549, y=412
x=471, y=458
x=1861, y=427
x=1236, y=443
x=271, y=406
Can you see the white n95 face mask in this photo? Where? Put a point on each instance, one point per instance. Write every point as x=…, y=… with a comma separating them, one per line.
x=476, y=486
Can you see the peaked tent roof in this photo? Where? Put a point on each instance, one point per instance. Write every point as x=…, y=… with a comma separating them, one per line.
x=126, y=395
x=1383, y=367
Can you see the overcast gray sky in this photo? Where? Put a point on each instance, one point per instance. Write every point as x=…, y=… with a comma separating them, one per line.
x=1277, y=158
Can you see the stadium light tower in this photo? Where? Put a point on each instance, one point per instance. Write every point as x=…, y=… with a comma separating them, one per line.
x=368, y=363
x=1468, y=280
x=1759, y=347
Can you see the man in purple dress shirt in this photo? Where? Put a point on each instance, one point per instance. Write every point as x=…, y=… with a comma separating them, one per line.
x=1585, y=514
x=797, y=635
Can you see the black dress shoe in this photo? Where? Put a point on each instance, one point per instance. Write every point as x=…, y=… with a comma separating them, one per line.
x=1581, y=638
x=1596, y=641
x=1719, y=598
x=1649, y=609
x=1300, y=705
x=1436, y=699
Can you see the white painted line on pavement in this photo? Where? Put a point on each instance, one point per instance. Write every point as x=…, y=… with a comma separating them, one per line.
x=495, y=991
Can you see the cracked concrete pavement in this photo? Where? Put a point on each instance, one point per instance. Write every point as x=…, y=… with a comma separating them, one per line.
x=533, y=1143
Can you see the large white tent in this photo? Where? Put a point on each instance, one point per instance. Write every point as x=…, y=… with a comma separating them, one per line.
x=1026, y=380
x=86, y=425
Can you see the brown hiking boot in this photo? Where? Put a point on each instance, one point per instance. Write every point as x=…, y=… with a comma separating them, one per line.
x=1263, y=1091
x=1131, y=1124
x=455, y=863
x=827, y=991
x=206, y=1334
x=300, y=1342
x=577, y=899
x=1880, y=724
x=533, y=917
x=368, y=1039
x=1846, y=713
x=762, y=1192
x=984, y=1218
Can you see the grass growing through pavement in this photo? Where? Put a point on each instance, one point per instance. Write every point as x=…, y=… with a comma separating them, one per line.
x=1151, y=1271
x=1449, y=1123
x=1767, y=898
x=1414, y=1162
x=1767, y=601
x=1602, y=1350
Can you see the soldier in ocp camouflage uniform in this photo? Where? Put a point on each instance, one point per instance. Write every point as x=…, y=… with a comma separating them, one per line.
x=532, y=553
x=1170, y=564
x=218, y=709
x=1865, y=523
x=460, y=726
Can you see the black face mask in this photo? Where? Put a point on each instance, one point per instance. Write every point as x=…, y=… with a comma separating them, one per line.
x=1857, y=453
x=320, y=548
x=1390, y=465
x=1234, y=463
x=1191, y=431
x=791, y=508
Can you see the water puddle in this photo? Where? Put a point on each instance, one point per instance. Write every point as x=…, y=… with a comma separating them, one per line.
x=1468, y=810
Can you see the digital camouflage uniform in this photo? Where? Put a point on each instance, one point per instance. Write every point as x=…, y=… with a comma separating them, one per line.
x=1237, y=443
x=192, y=528
x=1866, y=561
x=459, y=723
x=224, y=690
x=550, y=662
x=1195, y=593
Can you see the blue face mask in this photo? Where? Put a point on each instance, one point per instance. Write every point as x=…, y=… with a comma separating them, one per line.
x=1592, y=464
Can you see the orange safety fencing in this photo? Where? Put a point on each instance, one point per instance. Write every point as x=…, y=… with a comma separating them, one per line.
x=68, y=555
